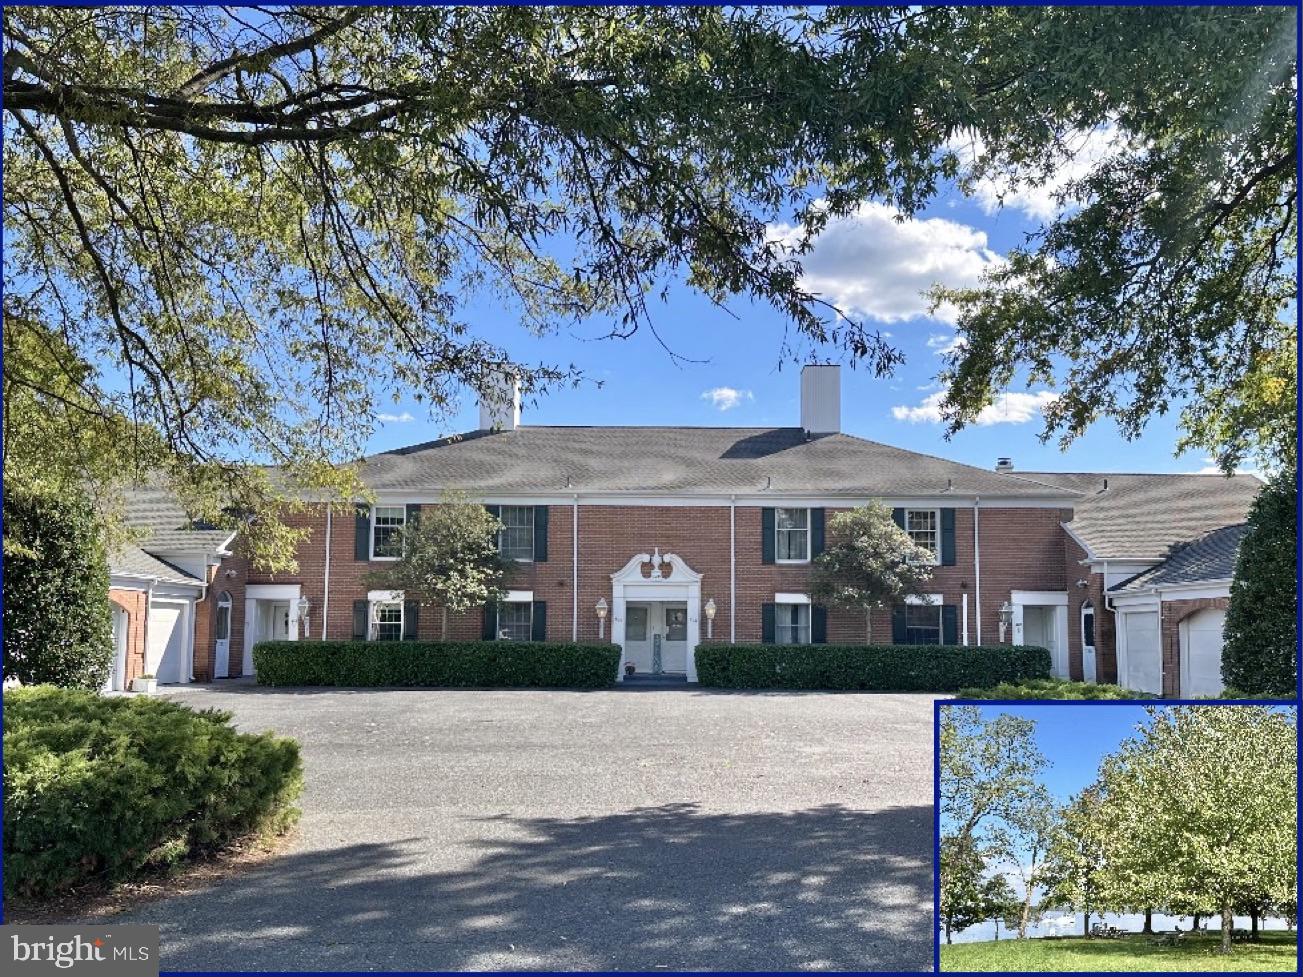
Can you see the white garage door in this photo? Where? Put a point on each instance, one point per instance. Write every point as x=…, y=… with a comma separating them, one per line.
x=1144, y=668
x=166, y=645
x=1202, y=653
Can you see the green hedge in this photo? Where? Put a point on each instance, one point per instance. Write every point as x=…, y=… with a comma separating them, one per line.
x=885, y=668
x=457, y=664
x=1053, y=688
x=101, y=788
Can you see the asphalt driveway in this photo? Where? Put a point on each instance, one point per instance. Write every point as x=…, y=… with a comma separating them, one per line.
x=622, y=830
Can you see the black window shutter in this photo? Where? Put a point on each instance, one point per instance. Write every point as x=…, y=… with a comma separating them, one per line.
x=538, y=626
x=816, y=532
x=540, y=534
x=490, y=631
x=361, y=610
x=819, y=623
x=413, y=512
x=362, y=533
x=949, y=624
x=411, y=619
x=898, y=517
x=947, y=537
x=767, y=536
x=899, y=635
x=767, y=621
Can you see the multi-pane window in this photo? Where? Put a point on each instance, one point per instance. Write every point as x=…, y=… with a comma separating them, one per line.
x=223, y=628
x=635, y=624
x=792, y=529
x=923, y=526
x=389, y=621
x=922, y=624
x=676, y=624
x=387, y=531
x=1088, y=625
x=515, y=621
x=516, y=539
x=792, y=624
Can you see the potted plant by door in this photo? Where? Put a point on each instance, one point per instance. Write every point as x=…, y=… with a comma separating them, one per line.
x=144, y=683
x=630, y=668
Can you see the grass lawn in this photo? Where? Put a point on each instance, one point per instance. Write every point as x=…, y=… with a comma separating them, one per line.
x=1275, y=952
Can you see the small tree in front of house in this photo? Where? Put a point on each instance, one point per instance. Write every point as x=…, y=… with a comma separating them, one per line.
x=963, y=897
x=1077, y=857
x=57, y=625
x=869, y=564
x=1260, y=652
x=449, y=558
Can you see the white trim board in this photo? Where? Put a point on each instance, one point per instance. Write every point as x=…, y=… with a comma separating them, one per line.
x=828, y=501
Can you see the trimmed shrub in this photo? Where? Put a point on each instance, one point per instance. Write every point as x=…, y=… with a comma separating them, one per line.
x=883, y=668
x=1260, y=649
x=450, y=664
x=101, y=788
x=57, y=626
x=1053, y=688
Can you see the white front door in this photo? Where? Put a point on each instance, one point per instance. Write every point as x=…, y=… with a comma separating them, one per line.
x=118, y=670
x=1088, y=642
x=647, y=624
x=1201, y=653
x=1144, y=660
x=165, y=647
x=222, y=638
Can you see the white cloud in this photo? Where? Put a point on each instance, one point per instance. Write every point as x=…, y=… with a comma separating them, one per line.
x=726, y=398
x=1209, y=468
x=870, y=264
x=944, y=344
x=1009, y=408
x=402, y=418
x=1083, y=151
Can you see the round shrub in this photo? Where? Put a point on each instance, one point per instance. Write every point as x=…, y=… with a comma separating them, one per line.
x=101, y=788
x=57, y=625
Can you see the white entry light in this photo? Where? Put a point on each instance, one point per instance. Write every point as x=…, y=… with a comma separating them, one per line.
x=601, y=617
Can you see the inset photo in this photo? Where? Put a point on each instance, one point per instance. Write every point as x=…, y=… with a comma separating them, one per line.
x=1109, y=837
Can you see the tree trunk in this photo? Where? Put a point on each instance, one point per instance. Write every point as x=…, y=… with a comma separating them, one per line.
x=1085, y=922
x=1149, y=921
x=1025, y=919
x=444, y=630
x=997, y=929
x=948, y=940
x=1228, y=921
x=1253, y=924
x=1197, y=918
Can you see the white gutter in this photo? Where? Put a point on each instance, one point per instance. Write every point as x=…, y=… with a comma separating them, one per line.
x=325, y=575
x=977, y=568
x=574, y=569
x=732, y=569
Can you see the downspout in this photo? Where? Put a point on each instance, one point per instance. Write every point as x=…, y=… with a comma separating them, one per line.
x=325, y=575
x=732, y=569
x=574, y=569
x=977, y=567
x=194, y=625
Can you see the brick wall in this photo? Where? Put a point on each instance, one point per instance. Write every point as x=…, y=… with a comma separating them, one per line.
x=134, y=603
x=1172, y=613
x=1105, y=620
x=1022, y=549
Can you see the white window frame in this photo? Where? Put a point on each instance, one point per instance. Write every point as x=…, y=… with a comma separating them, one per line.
x=377, y=599
x=778, y=530
x=795, y=628
x=224, y=603
x=532, y=530
x=529, y=605
x=936, y=521
x=375, y=512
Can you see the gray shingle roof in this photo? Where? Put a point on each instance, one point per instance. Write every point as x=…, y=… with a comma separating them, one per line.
x=682, y=460
x=1145, y=517
x=1210, y=557
x=168, y=528
x=132, y=561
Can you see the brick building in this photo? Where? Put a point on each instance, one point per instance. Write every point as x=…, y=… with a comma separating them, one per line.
x=658, y=538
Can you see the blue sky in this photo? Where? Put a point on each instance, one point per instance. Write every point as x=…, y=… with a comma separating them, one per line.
x=870, y=263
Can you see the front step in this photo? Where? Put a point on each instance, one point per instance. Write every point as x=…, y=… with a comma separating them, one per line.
x=650, y=680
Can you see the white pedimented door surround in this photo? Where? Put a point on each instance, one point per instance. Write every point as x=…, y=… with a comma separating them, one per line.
x=651, y=577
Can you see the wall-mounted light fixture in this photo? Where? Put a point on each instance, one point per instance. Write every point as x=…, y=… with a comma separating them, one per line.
x=1006, y=618
x=601, y=617
x=304, y=605
x=710, y=617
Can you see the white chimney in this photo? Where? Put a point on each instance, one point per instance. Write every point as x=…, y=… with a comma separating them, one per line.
x=500, y=402
x=1004, y=464
x=821, y=399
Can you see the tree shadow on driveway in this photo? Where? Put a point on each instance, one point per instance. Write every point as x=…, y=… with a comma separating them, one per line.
x=669, y=887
